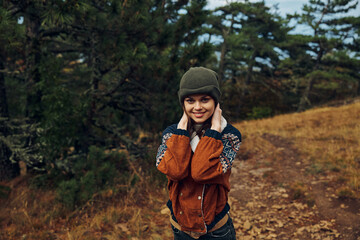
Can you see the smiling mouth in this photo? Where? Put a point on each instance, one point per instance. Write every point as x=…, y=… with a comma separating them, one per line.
x=199, y=115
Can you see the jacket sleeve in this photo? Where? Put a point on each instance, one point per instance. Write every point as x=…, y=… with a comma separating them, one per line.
x=214, y=155
x=174, y=154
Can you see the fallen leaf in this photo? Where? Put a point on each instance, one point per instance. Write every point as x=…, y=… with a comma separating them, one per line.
x=280, y=224
x=123, y=227
x=247, y=225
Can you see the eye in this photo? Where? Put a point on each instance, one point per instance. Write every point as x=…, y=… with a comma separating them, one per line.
x=189, y=100
x=205, y=100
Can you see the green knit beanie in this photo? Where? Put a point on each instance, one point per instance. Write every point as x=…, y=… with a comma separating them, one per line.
x=199, y=80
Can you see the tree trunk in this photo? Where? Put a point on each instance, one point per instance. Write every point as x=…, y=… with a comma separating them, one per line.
x=225, y=33
x=4, y=111
x=305, y=98
x=304, y=101
x=222, y=57
x=33, y=55
x=249, y=74
x=33, y=108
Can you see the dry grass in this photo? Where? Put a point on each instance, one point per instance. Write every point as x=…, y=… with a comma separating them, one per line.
x=35, y=214
x=327, y=138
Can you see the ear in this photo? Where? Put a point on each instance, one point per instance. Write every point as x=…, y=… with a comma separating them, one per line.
x=215, y=105
x=183, y=108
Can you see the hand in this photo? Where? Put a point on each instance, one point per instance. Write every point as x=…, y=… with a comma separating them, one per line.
x=183, y=122
x=216, y=119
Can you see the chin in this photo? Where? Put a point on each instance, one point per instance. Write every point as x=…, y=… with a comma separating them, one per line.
x=201, y=120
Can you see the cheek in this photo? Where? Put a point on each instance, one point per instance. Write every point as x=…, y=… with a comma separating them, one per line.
x=212, y=111
x=212, y=107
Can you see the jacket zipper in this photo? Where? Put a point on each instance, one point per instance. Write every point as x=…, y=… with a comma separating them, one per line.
x=202, y=210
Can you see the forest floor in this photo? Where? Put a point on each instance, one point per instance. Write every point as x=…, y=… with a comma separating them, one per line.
x=280, y=200
x=296, y=176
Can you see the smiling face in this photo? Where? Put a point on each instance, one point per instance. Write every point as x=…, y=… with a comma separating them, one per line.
x=199, y=107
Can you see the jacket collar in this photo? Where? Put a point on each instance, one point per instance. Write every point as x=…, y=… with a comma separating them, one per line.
x=195, y=140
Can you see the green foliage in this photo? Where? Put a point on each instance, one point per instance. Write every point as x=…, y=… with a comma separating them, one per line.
x=330, y=35
x=62, y=125
x=260, y=112
x=68, y=192
x=315, y=169
x=16, y=96
x=345, y=192
x=41, y=181
x=4, y=191
x=250, y=54
x=11, y=33
x=21, y=140
x=97, y=172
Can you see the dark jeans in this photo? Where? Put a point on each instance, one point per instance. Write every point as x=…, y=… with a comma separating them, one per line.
x=226, y=232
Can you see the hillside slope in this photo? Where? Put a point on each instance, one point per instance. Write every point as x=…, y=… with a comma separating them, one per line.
x=299, y=177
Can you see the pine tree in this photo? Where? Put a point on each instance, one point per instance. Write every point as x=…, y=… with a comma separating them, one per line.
x=9, y=39
x=329, y=37
x=97, y=71
x=249, y=52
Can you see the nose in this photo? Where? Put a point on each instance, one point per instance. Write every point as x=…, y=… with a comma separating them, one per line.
x=198, y=105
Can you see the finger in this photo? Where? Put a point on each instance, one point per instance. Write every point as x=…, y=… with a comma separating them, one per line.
x=218, y=109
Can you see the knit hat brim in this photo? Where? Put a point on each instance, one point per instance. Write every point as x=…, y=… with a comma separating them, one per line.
x=212, y=91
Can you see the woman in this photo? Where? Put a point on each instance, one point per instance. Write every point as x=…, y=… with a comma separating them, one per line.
x=196, y=155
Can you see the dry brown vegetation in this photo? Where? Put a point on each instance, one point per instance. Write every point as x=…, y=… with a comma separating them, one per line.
x=325, y=140
x=299, y=178
x=35, y=214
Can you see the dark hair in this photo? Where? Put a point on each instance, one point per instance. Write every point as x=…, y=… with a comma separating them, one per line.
x=200, y=132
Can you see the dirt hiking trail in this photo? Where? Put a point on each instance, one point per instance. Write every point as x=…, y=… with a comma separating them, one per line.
x=279, y=199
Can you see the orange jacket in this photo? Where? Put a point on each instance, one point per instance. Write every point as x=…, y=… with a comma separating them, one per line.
x=198, y=182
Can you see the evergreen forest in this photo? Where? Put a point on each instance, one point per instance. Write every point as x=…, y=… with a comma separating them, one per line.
x=86, y=87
